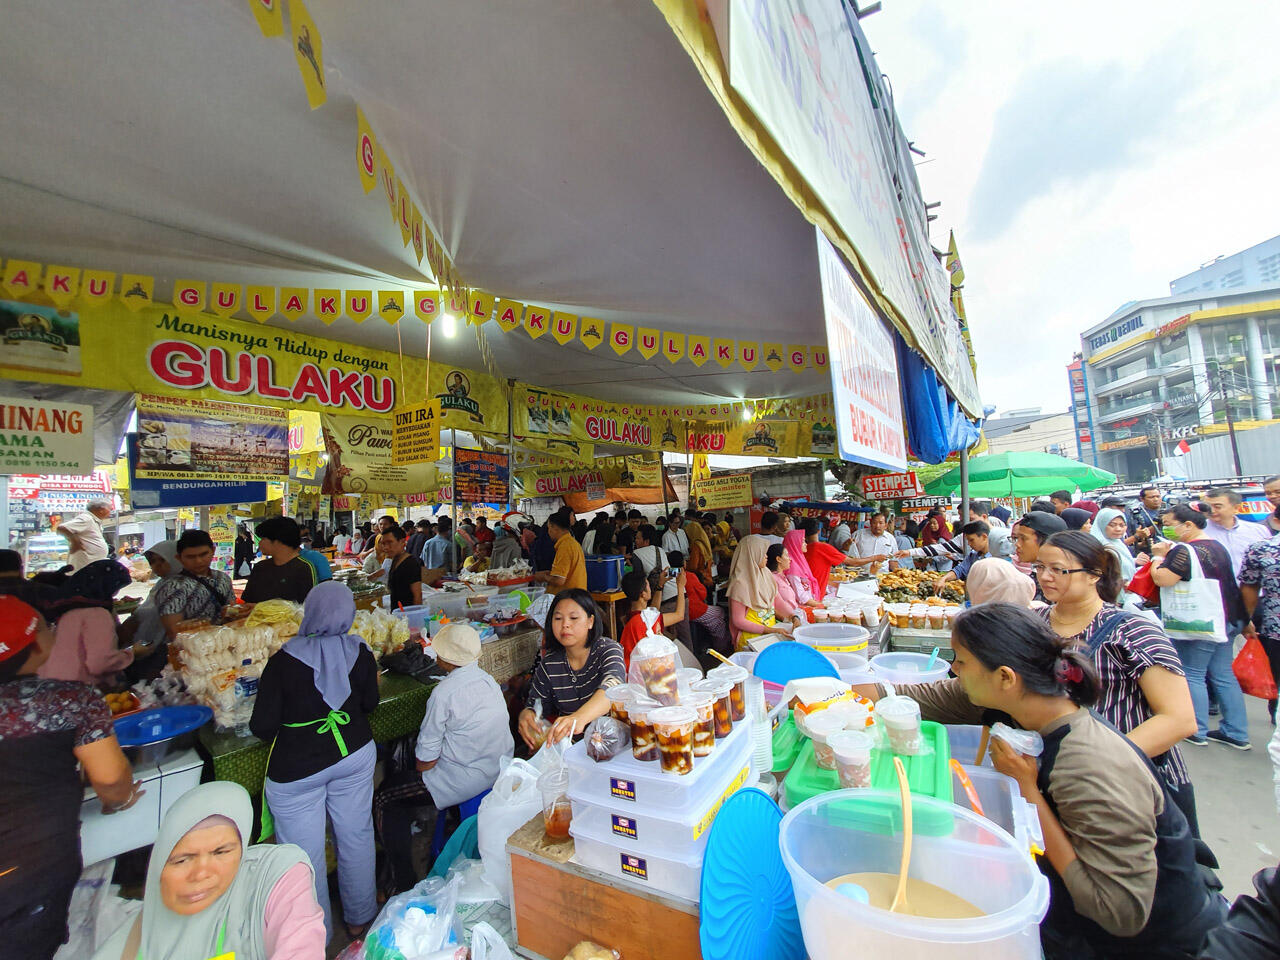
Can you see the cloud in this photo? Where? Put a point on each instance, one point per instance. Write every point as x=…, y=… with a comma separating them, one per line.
x=1070, y=122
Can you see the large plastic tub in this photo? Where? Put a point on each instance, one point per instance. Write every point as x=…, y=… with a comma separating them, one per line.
x=629, y=781
x=604, y=572
x=658, y=827
x=834, y=637
x=899, y=668
x=1002, y=804
x=965, y=739
x=852, y=831
x=679, y=875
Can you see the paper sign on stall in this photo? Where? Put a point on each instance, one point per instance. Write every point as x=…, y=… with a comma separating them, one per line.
x=723, y=492
x=185, y=438
x=41, y=437
x=415, y=436
x=891, y=486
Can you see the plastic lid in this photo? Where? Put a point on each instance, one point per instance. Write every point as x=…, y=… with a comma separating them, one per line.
x=162, y=723
x=845, y=742
x=824, y=723
x=689, y=674
x=673, y=715
x=698, y=698
x=641, y=707
x=747, y=904
x=730, y=671
x=783, y=662
x=897, y=707
x=717, y=688
x=624, y=692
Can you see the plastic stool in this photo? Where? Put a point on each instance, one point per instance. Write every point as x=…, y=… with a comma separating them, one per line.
x=467, y=808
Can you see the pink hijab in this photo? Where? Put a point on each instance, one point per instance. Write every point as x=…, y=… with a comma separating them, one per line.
x=794, y=544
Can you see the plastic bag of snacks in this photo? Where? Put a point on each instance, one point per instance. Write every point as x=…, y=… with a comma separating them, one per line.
x=606, y=738
x=653, y=664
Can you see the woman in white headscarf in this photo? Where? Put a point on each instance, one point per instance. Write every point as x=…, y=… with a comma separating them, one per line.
x=144, y=627
x=210, y=894
x=752, y=593
x=1109, y=529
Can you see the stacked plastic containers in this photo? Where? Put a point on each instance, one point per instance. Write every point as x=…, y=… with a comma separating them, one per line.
x=643, y=816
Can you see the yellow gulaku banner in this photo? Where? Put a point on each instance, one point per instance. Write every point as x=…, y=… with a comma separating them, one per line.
x=552, y=451
x=359, y=449
x=157, y=350
x=609, y=473
x=807, y=430
x=722, y=492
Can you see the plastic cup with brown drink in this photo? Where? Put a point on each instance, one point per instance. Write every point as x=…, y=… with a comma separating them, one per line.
x=704, y=734
x=851, y=750
x=738, y=695
x=644, y=742
x=722, y=711
x=674, y=727
x=557, y=812
x=621, y=695
x=900, y=718
x=820, y=726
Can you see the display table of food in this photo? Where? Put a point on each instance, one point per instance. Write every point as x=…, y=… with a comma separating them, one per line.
x=557, y=903
x=401, y=705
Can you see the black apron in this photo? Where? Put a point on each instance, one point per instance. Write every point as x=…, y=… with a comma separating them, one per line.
x=1183, y=911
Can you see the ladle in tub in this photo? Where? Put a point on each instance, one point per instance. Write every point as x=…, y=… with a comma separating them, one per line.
x=900, y=898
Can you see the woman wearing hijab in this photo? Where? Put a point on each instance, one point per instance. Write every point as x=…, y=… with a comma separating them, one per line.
x=313, y=706
x=798, y=574
x=506, y=550
x=752, y=594
x=787, y=606
x=935, y=528
x=699, y=560
x=998, y=581
x=86, y=648
x=1109, y=528
x=1077, y=519
x=144, y=627
x=210, y=894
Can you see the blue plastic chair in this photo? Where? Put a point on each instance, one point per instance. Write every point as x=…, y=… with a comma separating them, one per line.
x=466, y=809
x=787, y=660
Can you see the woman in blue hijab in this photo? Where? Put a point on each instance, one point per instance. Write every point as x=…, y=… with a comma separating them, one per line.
x=313, y=706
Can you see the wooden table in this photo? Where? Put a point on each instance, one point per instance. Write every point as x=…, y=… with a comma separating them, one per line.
x=607, y=602
x=557, y=904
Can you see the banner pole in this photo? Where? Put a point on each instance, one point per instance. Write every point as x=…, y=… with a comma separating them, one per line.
x=511, y=444
x=453, y=490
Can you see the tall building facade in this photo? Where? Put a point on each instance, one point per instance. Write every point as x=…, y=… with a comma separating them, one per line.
x=1157, y=372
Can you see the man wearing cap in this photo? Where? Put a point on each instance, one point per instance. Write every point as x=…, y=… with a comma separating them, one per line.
x=46, y=726
x=463, y=744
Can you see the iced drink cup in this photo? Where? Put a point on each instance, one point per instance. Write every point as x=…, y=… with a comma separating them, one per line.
x=557, y=812
x=660, y=679
x=821, y=725
x=722, y=712
x=620, y=696
x=704, y=734
x=644, y=742
x=900, y=717
x=674, y=727
x=851, y=750
x=738, y=694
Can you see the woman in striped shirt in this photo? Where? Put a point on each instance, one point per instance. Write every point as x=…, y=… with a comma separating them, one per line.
x=1144, y=689
x=576, y=666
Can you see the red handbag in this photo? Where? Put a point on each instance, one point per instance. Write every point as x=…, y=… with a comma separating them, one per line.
x=1144, y=586
x=1253, y=670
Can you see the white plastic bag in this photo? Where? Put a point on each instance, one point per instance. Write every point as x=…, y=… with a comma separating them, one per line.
x=1192, y=609
x=486, y=944
x=513, y=801
x=420, y=923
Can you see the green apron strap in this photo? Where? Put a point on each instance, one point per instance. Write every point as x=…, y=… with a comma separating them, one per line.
x=329, y=724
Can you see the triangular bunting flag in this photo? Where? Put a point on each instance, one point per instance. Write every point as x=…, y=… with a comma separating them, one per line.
x=699, y=350
x=189, y=295
x=327, y=304
x=796, y=357
x=673, y=346
x=773, y=356
x=62, y=284
x=269, y=16
x=536, y=321
x=358, y=304
x=564, y=327
x=591, y=332
x=648, y=341
x=480, y=307
x=260, y=302
x=22, y=277
x=415, y=232
x=748, y=354
x=391, y=305
x=509, y=314
x=308, y=48
x=96, y=286
x=426, y=304
x=621, y=337
x=224, y=298
x=293, y=302
x=366, y=151
x=724, y=352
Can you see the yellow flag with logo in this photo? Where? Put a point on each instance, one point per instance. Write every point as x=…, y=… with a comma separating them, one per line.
x=699, y=350
x=648, y=342
x=479, y=307
x=359, y=304
x=725, y=353
x=748, y=354
x=96, y=286
x=537, y=320
x=772, y=356
x=224, y=298
x=137, y=291
x=621, y=337
x=564, y=327
x=426, y=304
x=328, y=304
x=62, y=284
x=293, y=302
x=391, y=305
x=21, y=277
x=509, y=313
x=954, y=266
x=366, y=151
x=797, y=357
x=308, y=48
x=260, y=302
x=269, y=16
x=591, y=332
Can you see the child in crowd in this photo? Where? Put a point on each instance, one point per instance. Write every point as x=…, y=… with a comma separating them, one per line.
x=644, y=620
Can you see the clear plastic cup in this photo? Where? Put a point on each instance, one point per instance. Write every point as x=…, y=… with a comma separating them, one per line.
x=674, y=727
x=822, y=725
x=821, y=615
x=871, y=615
x=644, y=742
x=738, y=695
x=851, y=750
x=722, y=713
x=704, y=734
x=937, y=618
x=688, y=676
x=658, y=673
x=620, y=696
x=900, y=717
x=557, y=812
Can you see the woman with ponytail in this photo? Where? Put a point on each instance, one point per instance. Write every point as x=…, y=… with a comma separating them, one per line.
x=1144, y=692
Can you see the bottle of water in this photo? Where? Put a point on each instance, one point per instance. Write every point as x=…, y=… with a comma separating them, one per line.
x=246, y=691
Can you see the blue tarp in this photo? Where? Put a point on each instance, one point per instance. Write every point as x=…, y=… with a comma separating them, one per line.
x=936, y=427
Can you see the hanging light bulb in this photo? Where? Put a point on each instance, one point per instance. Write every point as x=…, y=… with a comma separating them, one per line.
x=747, y=413
x=450, y=329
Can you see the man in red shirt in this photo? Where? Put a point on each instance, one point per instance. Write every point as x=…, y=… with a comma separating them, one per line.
x=484, y=534
x=823, y=556
x=638, y=591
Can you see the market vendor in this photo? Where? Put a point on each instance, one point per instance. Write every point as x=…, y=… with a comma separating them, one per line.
x=197, y=593
x=86, y=648
x=821, y=557
x=404, y=580
x=313, y=704
x=787, y=604
x=210, y=894
x=1119, y=855
x=873, y=544
x=15, y=583
x=753, y=594
x=46, y=727
x=285, y=574
x=577, y=665
x=144, y=627
x=506, y=549
x=569, y=568
x=463, y=743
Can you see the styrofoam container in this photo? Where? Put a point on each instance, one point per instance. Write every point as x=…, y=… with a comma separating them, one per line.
x=834, y=637
x=630, y=781
x=854, y=831
x=659, y=827
x=678, y=875
x=1002, y=804
x=899, y=668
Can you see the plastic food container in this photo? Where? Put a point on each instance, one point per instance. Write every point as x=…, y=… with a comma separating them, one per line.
x=738, y=695
x=704, y=732
x=674, y=727
x=851, y=831
x=834, y=637
x=1002, y=804
x=620, y=696
x=851, y=751
x=964, y=739
x=644, y=741
x=557, y=812
x=820, y=726
x=900, y=718
x=676, y=874
x=744, y=658
x=897, y=668
x=721, y=690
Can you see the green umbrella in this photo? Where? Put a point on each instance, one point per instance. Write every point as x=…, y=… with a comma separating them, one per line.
x=1021, y=474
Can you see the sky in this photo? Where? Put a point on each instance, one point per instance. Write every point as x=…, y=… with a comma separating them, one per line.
x=1085, y=155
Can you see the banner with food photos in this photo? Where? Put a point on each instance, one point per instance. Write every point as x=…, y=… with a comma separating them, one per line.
x=182, y=438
